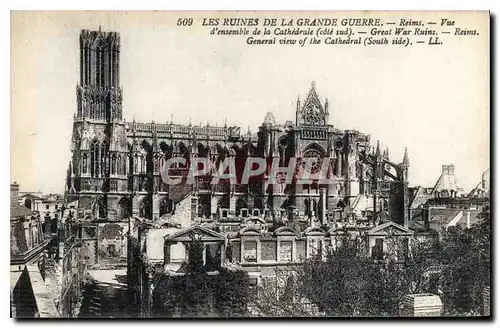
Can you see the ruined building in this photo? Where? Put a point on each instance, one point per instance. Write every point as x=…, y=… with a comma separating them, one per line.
x=115, y=170
x=447, y=204
x=29, y=294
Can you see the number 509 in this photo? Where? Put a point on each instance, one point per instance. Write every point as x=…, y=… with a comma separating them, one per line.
x=184, y=22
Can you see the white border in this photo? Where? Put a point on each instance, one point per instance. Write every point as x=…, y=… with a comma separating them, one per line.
x=493, y=5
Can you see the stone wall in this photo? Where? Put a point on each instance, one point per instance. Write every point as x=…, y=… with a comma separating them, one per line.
x=421, y=305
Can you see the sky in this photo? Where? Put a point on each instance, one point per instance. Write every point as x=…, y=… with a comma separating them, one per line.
x=433, y=100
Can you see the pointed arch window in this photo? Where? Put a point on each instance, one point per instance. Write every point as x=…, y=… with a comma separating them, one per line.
x=142, y=210
x=141, y=166
x=145, y=208
x=102, y=209
x=102, y=78
x=94, y=159
x=124, y=208
x=119, y=164
x=136, y=163
x=146, y=159
x=99, y=208
x=104, y=158
x=113, y=164
x=98, y=65
x=84, y=164
x=158, y=158
x=111, y=63
x=124, y=164
x=161, y=163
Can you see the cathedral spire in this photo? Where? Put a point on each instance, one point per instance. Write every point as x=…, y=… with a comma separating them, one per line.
x=269, y=120
x=311, y=111
x=377, y=153
x=386, y=153
x=406, y=161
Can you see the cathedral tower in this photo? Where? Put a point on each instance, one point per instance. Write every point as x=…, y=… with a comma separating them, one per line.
x=99, y=142
x=97, y=176
x=99, y=96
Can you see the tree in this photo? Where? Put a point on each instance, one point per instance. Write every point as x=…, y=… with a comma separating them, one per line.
x=465, y=257
x=188, y=295
x=350, y=283
x=399, y=274
x=337, y=285
x=197, y=294
x=231, y=292
x=278, y=296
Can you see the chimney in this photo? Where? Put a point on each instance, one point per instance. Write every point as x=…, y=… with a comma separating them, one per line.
x=451, y=169
x=448, y=169
x=14, y=192
x=444, y=169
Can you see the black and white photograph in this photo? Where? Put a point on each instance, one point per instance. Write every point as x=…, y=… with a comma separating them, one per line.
x=250, y=164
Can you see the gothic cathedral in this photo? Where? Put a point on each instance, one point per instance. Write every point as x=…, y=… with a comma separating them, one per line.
x=116, y=167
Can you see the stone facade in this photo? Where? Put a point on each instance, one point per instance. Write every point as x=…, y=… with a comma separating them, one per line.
x=47, y=269
x=446, y=205
x=29, y=249
x=115, y=169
